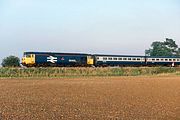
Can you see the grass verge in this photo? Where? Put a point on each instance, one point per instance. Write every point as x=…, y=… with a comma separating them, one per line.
x=82, y=71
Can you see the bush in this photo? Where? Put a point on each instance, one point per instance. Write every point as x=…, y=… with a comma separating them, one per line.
x=11, y=61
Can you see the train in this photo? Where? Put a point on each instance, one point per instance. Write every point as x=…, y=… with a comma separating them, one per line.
x=54, y=59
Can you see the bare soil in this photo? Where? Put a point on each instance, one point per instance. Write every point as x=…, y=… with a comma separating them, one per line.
x=119, y=98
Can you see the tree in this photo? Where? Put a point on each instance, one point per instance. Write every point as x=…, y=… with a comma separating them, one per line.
x=166, y=48
x=11, y=61
x=171, y=44
x=178, y=51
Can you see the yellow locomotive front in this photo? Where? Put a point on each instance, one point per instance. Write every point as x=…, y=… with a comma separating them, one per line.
x=90, y=60
x=28, y=59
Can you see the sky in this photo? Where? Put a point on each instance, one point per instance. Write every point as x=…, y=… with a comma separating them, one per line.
x=124, y=27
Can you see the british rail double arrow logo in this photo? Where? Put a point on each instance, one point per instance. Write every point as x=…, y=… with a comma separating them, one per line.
x=51, y=59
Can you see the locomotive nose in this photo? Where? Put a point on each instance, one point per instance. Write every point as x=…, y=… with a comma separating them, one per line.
x=23, y=60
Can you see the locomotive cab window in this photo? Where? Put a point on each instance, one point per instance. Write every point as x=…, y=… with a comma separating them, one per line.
x=28, y=55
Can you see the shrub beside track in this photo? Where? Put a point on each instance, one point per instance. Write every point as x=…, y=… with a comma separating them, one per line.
x=82, y=71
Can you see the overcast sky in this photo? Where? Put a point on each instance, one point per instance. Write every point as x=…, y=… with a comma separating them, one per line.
x=87, y=26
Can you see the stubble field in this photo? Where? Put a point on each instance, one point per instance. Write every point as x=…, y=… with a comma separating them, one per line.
x=126, y=98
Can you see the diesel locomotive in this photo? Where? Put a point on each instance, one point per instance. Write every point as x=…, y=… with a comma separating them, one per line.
x=46, y=59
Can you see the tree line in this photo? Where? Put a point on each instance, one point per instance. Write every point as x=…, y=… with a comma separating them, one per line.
x=158, y=48
x=165, y=48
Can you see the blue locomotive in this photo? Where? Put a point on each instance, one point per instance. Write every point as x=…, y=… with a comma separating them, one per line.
x=45, y=59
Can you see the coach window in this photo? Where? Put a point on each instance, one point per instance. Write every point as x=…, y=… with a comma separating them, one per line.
x=174, y=59
x=114, y=58
x=138, y=59
x=124, y=58
x=153, y=59
x=133, y=58
x=109, y=58
x=119, y=58
x=166, y=59
x=177, y=59
x=157, y=59
x=129, y=58
x=104, y=58
x=97, y=58
x=162, y=59
x=170, y=59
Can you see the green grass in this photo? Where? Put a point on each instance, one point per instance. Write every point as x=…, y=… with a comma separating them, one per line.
x=83, y=71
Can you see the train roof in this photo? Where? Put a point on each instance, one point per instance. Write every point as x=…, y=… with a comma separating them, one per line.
x=136, y=56
x=118, y=55
x=108, y=55
x=163, y=56
x=56, y=53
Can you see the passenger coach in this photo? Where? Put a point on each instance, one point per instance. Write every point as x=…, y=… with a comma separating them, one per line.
x=119, y=60
x=162, y=61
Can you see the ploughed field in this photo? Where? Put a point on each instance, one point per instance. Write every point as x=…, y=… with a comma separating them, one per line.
x=91, y=98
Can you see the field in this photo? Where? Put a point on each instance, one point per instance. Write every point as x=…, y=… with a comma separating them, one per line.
x=126, y=98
